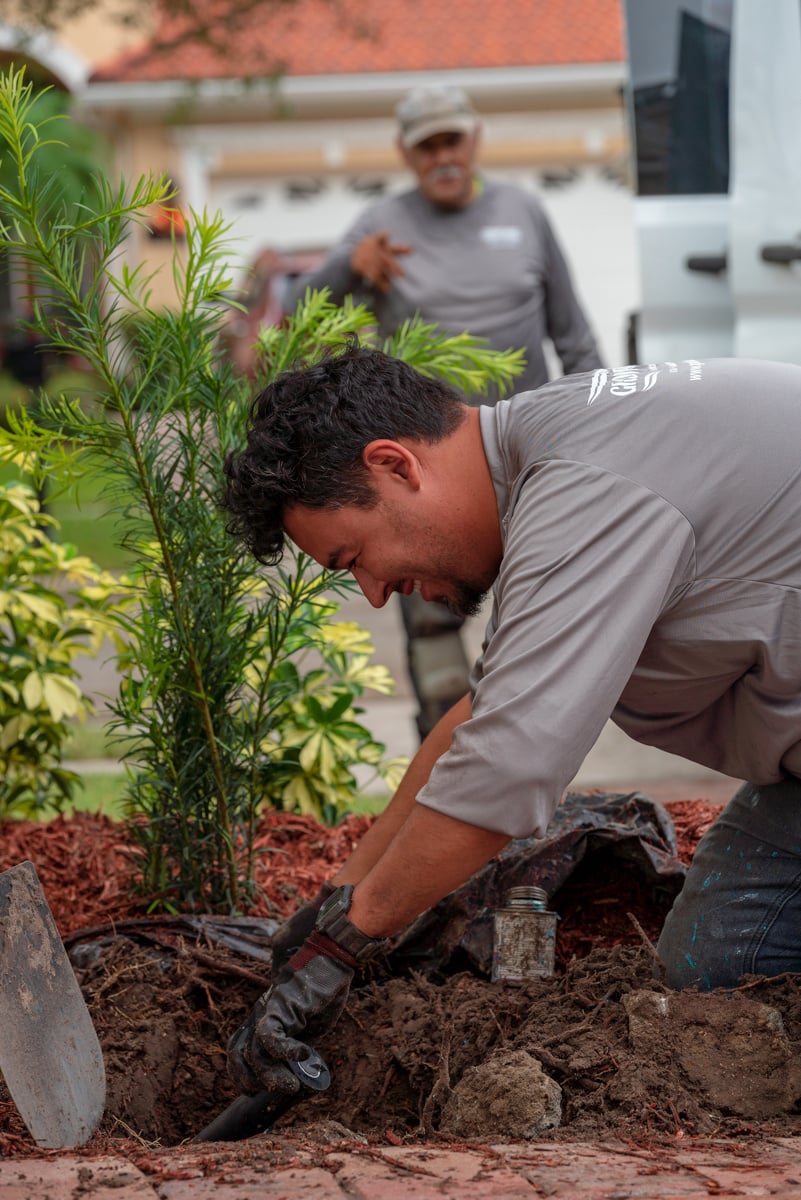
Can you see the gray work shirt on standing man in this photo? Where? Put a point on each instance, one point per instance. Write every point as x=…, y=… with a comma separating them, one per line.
x=651, y=572
x=493, y=268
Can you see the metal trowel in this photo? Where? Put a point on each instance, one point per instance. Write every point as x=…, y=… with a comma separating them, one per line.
x=50, y=1057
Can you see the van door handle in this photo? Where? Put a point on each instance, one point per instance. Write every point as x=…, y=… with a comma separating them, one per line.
x=781, y=252
x=710, y=264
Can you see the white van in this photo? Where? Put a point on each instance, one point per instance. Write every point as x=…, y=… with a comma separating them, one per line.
x=714, y=101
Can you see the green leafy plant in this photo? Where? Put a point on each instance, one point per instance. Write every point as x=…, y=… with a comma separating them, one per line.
x=54, y=606
x=318, y=741
x=237, y=688
x=317, y=324
x=65, y=165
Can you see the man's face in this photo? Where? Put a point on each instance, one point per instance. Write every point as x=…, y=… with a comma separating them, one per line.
x=443, y=164
x=396, y=547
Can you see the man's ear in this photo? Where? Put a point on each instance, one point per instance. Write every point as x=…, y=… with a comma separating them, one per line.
x=393, y=461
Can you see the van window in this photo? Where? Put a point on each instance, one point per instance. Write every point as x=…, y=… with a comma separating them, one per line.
x=679, y=94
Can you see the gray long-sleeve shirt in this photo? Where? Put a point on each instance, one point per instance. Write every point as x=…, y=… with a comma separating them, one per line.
x=651, y=572
x=493, y=268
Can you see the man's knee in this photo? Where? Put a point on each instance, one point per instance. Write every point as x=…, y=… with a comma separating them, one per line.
x=426, y=618
x=693, y=959
x=440, y=674
x=739, y=912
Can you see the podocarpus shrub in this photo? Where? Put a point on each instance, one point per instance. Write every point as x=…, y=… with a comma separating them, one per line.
x=217, y=712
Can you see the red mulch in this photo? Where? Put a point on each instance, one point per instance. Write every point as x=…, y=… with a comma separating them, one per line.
x=85, y=865
x=691, y=819
x=595, y=908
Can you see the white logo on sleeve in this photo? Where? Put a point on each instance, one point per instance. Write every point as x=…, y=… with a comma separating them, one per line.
x=625, y=381
x=597, y=384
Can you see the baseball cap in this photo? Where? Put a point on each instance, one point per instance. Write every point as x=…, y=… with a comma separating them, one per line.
x=429, y=110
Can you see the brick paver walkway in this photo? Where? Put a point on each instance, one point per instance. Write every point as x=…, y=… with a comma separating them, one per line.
x=270, y=1168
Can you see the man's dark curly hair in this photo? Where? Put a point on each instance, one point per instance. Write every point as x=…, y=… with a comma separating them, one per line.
x=307, y=431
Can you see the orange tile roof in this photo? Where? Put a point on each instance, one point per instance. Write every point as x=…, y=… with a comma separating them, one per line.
x=322, y=37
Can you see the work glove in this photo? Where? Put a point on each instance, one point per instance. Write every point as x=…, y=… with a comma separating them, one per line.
x=303, y=1003
x=290, y=936
x=250, y=1069
x=307, y=1000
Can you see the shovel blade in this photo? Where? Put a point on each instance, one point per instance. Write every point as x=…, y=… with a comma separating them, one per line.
x=49, y=1053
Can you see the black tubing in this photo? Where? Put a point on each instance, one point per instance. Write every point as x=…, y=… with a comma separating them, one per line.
x=248, y=1115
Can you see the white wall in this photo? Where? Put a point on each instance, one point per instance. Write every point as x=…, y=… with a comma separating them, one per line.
x=592, y=216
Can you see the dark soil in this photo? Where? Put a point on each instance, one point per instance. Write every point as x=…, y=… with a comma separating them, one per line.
x=630, y=1058
x=403, y=1044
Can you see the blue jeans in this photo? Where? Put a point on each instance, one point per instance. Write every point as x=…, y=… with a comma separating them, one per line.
x=739, y=912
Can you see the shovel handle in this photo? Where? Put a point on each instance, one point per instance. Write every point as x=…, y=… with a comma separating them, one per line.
x=247, y=1116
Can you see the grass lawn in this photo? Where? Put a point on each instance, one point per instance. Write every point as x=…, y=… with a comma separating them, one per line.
x=85, y=521
x=90, y=740
x=84, y=517
x=370, y=804
x=91, y=754
x=101, y=792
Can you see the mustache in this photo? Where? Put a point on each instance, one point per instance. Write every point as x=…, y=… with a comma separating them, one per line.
x=448, y=171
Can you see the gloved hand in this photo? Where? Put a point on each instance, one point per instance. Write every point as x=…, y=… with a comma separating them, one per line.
x=308, y=999
x=293, y=933
x=249, y=1067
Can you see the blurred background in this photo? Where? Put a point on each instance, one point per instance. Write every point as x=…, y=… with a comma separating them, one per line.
x=279, y=113
x=660, y=135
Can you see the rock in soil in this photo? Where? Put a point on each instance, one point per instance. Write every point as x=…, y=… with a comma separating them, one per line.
x=733, y=1049
x=508, y=1096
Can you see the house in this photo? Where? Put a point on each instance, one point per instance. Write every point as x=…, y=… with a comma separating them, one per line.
x=286, y=124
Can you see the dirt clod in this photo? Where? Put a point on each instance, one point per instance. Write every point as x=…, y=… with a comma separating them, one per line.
x=734, y=1049
x=508, y=1096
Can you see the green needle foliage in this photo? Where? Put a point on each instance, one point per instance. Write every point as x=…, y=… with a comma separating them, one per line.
x=238, y=688
x=69, y=162
x=460, y=359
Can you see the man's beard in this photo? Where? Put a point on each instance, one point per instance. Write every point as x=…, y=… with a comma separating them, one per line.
x=468, y=600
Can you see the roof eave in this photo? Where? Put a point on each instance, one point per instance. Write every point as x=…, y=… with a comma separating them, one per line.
x=590, y=81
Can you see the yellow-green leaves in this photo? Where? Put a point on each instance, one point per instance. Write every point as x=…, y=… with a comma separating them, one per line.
x=58, y=696
x=319, y=755
x=54, y=606
x=237, y=688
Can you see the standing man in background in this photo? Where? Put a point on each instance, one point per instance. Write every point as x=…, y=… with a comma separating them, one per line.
x=469, y=254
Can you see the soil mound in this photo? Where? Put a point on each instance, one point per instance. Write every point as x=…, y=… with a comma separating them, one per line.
x=600, y=1049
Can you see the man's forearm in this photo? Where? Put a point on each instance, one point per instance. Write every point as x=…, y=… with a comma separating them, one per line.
x=430, y=856
x=378, y=837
